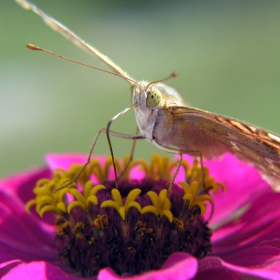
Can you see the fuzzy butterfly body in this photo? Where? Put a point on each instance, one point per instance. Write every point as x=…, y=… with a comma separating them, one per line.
x=165, y=121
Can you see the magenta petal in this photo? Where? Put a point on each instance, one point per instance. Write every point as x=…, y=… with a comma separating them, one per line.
x=215, y=268
x=40, y=271
x=22, y=184
x=108, y=274
x=5, y=267
x=179, y=266
x=255, y=256
x=17, y=227
x=64, y=161
x=22, y=236
x=136, y=173
x=16, y=235
x=243, y=183
x=259, y=223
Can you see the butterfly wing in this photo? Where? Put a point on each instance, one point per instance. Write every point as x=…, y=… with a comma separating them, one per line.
x=213, y=135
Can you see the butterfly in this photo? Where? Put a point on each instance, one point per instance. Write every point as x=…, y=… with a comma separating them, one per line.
x=168, y=123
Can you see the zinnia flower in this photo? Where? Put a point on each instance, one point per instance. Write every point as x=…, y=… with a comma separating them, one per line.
x=245, y=242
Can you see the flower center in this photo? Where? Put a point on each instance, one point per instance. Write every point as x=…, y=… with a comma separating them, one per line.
x=134, y=228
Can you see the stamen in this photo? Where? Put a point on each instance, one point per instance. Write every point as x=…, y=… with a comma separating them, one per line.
x=117, y=203
x=161, y=205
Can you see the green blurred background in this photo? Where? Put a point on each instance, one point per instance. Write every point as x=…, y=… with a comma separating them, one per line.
x=227, y=54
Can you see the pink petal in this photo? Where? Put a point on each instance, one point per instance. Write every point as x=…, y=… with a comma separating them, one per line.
x=17, y=227
x=256, y=256
x=5, y=267
x=65, y=161
x=40, y=271
x=179, y=266
x=260, y=222
x=214, y=268
x=243, y=183
x=22, y=184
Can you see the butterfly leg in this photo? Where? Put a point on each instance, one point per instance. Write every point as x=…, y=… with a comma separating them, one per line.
x=174, y=174
x=131, y=155
x=179, y=152
x=108, y=133
x=86, y=163
x=103, y=130
x=109, y=140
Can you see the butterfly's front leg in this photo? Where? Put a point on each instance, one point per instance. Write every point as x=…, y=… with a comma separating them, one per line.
x=103, y=130
x=130, y=155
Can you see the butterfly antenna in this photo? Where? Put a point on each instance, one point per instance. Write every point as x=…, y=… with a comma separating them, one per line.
x=36, y=48
x=172, y=75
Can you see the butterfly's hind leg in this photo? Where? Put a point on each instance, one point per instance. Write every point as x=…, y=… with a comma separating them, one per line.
x=180, y=152
x=174, y=174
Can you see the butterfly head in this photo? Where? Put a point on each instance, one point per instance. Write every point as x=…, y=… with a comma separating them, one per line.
x=146, y=96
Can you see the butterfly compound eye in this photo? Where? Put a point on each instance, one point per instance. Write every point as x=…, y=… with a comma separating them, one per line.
x=153, y=98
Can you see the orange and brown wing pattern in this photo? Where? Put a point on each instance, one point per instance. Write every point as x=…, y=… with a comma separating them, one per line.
x=214, y=134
